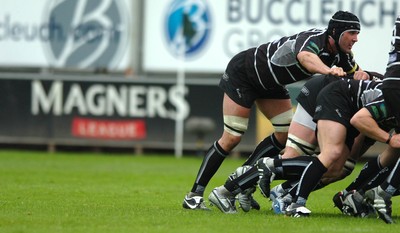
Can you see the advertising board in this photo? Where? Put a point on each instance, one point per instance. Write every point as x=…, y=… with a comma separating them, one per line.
x=116, y=112
x=212, y=32
x=66, y=34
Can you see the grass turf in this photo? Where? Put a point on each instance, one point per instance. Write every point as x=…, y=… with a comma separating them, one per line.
x=87, y=192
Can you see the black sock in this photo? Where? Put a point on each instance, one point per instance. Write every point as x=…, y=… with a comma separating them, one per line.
x=243, y=182
x=269, y=147
x=370, y=170
x=293, y=190
x=211, y=162
x=309, y=180
x=392, y=183
x=320, y=185
x=376, y=180
x=289, y=184
x=291, y=169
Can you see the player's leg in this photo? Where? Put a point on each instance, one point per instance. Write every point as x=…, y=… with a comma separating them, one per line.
x=235, y=124
x=301, y=141
x=239, y=97
x=331, y=139
x=279, y=112
x=373, y=168
x=335, y=172
x=341, y=171
x=301, y=135
x=380, y=196
x=373, y=173
x=288, y=168
x=222, y=196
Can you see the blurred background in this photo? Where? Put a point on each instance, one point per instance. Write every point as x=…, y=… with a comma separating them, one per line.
x=142, y=75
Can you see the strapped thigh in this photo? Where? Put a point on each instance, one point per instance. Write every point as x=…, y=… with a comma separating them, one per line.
x=235, y=125
x=282, y=121
x=301, y=146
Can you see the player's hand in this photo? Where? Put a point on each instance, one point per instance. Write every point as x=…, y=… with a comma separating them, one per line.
x=395, y=141
x=361, y=75
x=337, y=71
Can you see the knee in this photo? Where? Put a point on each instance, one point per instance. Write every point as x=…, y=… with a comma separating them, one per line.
x=234, y=128
x=300, y=146
x=334, y=153
x=229, y=141
x=329, y=158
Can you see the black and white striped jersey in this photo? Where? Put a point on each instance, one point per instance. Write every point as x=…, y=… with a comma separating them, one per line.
x=368, y=94
x=275, y=63
x=393, y=66
x=363, y=92
x=347, y=96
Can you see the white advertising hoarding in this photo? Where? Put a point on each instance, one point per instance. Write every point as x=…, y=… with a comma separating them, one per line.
x=75, y=34
x=217, y=30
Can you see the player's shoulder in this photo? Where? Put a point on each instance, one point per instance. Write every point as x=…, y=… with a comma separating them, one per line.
x=313, y=32
x=316, y=35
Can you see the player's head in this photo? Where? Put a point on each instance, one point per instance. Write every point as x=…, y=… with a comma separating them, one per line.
x=341, y=22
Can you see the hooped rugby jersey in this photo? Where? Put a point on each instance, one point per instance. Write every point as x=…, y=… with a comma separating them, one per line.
x=275, y=63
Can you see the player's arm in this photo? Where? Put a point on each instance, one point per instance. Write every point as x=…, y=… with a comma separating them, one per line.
x=366, y=124
x=314, y=65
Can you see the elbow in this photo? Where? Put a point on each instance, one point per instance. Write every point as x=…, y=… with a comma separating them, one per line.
x=302, y=57
x=354, y=121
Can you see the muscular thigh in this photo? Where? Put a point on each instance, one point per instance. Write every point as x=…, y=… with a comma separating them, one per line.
x=331, y=139
x=231, y=108
x=273, y=107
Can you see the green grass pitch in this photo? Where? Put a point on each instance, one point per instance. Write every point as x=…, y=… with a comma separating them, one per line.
x=112, y=193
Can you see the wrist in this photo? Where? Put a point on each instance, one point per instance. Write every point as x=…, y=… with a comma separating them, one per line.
x=389, y=138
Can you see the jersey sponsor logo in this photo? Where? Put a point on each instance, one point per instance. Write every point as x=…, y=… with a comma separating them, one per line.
x=225, y=76
x=305, y=91
x=338, y=112
x=188, y=27
x=87, y=33
x=239, y=93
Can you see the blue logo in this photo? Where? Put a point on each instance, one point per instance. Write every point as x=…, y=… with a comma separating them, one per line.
x=188, y=27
